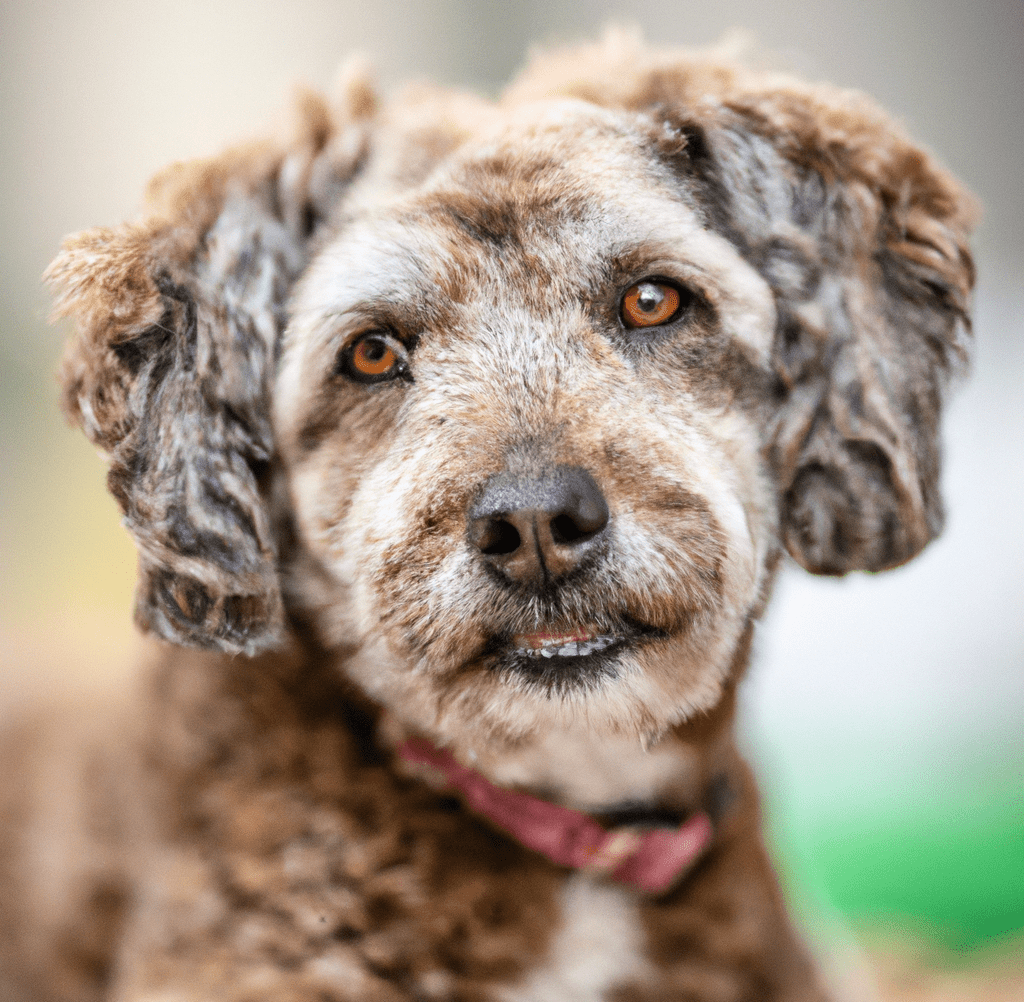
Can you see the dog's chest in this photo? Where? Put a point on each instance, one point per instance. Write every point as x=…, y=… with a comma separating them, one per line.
x=597, y=946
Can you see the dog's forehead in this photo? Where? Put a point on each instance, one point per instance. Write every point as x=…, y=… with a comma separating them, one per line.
x=554, y=142
x=558, y=176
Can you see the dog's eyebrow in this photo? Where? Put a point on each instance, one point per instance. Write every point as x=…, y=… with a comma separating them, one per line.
x=628, y=264
x=404, y=319
x=635, y=259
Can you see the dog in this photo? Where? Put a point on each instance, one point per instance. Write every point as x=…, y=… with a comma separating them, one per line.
x=461, y=442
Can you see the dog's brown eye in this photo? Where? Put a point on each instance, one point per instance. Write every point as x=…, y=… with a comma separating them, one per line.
x=650, y=303
x=373, y=358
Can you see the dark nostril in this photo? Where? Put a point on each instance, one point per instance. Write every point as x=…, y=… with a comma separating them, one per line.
x=584, y=514
x=498, y=536
x=565, y=530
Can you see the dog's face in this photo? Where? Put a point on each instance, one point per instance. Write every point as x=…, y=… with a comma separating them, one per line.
x=551, y=382
x=527, y=399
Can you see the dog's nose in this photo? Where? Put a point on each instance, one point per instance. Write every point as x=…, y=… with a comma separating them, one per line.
x=532, y=529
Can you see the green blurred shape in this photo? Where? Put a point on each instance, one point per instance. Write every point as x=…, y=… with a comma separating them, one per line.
x=947, y=863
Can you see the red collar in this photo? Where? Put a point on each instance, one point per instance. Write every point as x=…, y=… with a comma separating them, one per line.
x=648, y=860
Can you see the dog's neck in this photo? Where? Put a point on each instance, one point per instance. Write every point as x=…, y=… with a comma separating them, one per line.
x=649, y=853
x=591, y=772
x=602, y=774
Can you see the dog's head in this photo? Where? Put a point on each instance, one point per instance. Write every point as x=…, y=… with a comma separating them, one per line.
x=550, y=383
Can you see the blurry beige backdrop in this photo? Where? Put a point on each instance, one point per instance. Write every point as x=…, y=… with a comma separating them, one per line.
x=867, y=692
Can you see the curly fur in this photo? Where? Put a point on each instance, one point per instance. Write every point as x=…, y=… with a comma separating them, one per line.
x=264, y=842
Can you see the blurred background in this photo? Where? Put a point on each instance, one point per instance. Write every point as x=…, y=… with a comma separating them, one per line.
x=885, y=713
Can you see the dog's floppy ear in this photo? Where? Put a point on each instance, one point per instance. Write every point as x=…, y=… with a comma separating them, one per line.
x=177, y=320
x=863, y=239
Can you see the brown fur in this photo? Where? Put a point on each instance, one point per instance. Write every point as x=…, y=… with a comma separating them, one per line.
x=259, y=837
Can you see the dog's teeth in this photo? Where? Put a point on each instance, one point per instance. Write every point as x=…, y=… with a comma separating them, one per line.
x=571, y=648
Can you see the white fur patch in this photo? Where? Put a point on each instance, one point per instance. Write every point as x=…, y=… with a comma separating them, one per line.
x=591, y=771
x=598, y=947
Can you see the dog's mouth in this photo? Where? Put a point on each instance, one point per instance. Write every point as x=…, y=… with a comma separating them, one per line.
x=574, y=644
x=566, y=657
